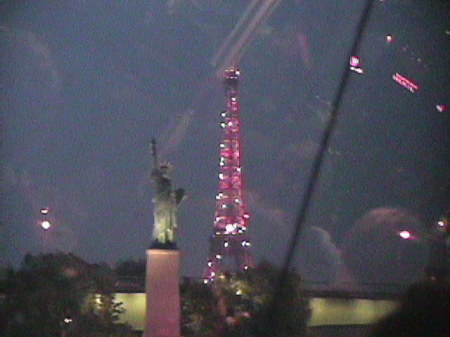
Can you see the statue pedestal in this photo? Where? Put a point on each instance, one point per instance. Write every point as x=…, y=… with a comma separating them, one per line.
x=162, y=286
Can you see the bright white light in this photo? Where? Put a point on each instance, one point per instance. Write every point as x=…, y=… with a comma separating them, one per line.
x=226, y=244
x=98, y=299
x=354, y=65
x=218, y=256
x=213, y=274
x=440, y=223
x=205, y=281
x=44, y=211
x=229, y=228
x=405, y=235
x=220, y=176
x=46, y=225
x=388, y=38
x=245, y=243
x=357, y=70
x=245, y=267
x=209, y=263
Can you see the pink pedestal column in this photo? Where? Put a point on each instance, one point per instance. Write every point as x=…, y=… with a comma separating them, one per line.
x=163, y=293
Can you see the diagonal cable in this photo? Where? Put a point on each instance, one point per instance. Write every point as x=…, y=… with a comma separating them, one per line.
x=271, y=323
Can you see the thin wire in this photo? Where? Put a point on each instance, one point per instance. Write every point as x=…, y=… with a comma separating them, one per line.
x=315, y=171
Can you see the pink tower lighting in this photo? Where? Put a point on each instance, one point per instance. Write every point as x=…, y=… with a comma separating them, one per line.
x=229, y=250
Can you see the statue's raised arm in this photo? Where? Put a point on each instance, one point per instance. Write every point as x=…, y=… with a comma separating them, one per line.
x=166, y=203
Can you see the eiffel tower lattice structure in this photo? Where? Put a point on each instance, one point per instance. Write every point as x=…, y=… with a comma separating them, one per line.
x=230, y=244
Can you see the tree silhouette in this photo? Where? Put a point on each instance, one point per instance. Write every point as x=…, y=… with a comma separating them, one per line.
x=423, y=311
x=236, y=305
x=61, y=295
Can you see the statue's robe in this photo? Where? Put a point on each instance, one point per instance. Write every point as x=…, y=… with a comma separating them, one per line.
x=165, y=209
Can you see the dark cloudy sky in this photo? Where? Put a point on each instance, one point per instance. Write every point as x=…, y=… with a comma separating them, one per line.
x=85, y=85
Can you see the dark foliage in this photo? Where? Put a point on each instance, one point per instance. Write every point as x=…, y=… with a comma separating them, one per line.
x=131, y=268
x=200, y=317
x=424, y=311
x=61, y=295
x=236, y=305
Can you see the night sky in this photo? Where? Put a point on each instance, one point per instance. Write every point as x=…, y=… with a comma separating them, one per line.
x=85, y=85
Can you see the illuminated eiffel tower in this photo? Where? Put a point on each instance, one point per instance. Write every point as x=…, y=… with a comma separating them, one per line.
x=229, y=247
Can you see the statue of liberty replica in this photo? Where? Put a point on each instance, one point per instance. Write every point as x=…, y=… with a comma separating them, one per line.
x=162, y=281
x=166, y=203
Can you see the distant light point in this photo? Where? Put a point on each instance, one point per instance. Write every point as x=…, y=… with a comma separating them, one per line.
x=405, y=235
x=45, y=225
